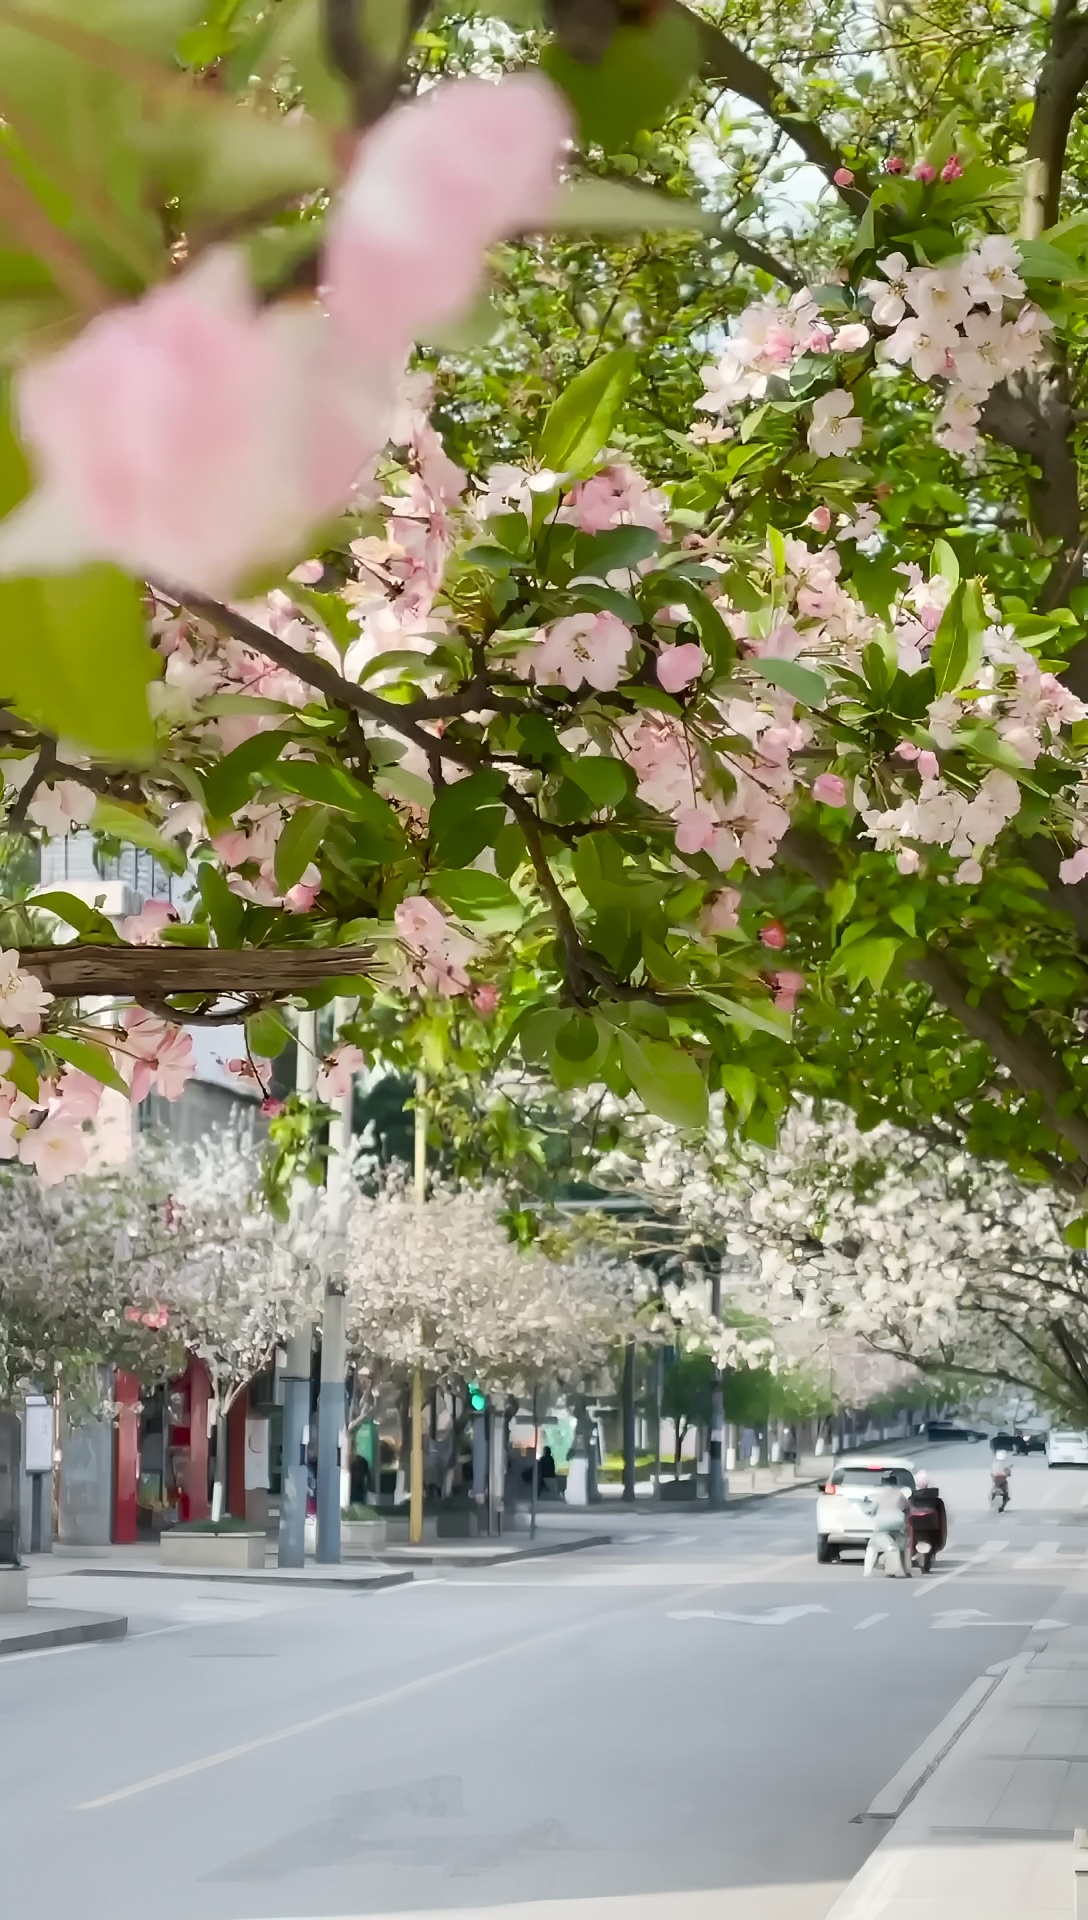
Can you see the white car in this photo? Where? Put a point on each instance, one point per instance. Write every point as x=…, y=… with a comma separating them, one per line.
x=841, y=1519
x=1067, y=1447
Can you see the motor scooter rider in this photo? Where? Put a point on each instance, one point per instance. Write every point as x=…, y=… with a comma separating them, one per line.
x=889, y=1539
x=928, y=1523
x=999, y=1480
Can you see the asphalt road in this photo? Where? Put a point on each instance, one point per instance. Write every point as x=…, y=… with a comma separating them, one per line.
x=697, y=1711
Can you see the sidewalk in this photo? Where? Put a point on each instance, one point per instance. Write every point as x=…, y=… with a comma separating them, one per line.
x=988, y=1834
x=43, y=1625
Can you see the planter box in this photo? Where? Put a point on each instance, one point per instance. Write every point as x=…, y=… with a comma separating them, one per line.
x=13, y=1590
x=177, y=1549
x=679, y=1490
x=396, y=1528
x=362, y=1536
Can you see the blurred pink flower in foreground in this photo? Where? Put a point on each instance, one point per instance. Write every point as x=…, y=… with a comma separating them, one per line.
x=164, y=1056
x=677, y=667
x=433, y=186
x=198, y=435
x=144, y=928
x=787, y=986
x=830, y=789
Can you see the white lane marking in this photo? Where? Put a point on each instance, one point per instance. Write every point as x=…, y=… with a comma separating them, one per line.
x=773, y=1617
x=871, y=1620
x=1042, y=1554
x=47, y=1653
x=971, y=1617
x=988, y=1551
x=355, y=1707
x=902, y=1786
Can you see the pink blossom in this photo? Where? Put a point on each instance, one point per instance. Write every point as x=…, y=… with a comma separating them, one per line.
x=952, y=169
x=271, y=1107
x=819, y=519
x=788, y=985
x=1074, y=869
x=78, y=1096
x=721, y=912
x=133, y=1316
x=908, y=860
x=696, y=828
x=23, y=999
x=852, y=337
x=143, y=929
x=894, y=164
x=929, y=767
x=433, y=185
x=829, y=789
x=582, y=647
x=486, y=999
x=969, y=873
x=337, y=1071
x=677, y=667
x=190, y=437
x=56, y=1149
x=925, y=173
x=59, y=808
x=164, y=1057
x=843, y=177
x=833, y=431
x=300, y=898
x=439, y=950
x=243, y=1070
x=773, y=934
x=906, y=750
x=616, y=496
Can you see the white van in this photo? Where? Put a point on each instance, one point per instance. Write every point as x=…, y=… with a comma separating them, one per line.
x=1067, y=1447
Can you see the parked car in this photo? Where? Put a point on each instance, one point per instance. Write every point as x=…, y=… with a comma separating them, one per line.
x=948, y=1430
x=1034, y=1438
x=1067, y=1447
x=1008, y=1443
x=841, y=1521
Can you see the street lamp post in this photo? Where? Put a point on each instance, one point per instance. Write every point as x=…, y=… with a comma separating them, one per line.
x=415, y=1498
x=716, y=1478
x=291, y=1546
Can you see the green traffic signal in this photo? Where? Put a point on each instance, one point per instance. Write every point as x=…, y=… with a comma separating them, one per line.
x=477, y=1398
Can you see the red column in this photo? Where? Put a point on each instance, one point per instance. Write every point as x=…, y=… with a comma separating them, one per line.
x=194, y=1504
x=236, y=1455
x=126, y=1456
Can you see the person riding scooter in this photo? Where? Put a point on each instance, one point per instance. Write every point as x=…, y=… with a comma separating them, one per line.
x=999, y=1482
x=888, y=1541
x=927, y=1522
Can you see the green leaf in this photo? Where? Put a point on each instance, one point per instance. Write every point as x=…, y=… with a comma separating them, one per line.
x=229, y=783
x=224, y=909
x=331, y=787
x=298, y=844
x=868, y=959
x=580, y=420
x=765, y=1019
x=127, y=823
x=1040, y=261
x=467, y=817
x=957, y=644
x=605, y=782
x=945, y=563
x=90, y=1057
x=74, y=659
x=603, y=553
x=667, y=1081
x=741, y=1085
x=87, y=921
x=266, y=1033
x=478, y=896
x=609, y=206
x=804, y=683
x=642, y=71
x=1076, y=1233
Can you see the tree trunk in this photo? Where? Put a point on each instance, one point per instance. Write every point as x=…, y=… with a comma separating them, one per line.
x=80, y=969
x=219, y=1484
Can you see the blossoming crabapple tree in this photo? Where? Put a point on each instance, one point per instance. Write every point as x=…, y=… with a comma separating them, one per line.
x=634, y=728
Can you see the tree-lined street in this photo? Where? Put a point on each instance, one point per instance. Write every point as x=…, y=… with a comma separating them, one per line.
x=693, y=1709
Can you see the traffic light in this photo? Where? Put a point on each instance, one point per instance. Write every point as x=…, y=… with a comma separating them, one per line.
x=477, y=1398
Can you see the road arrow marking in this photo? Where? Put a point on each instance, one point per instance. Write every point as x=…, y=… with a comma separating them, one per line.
x=870, y=1620
x=970, y=1617
x=774, y=1616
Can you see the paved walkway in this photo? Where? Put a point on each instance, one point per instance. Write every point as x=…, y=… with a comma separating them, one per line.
x=44, y=1625
x=989, y=1833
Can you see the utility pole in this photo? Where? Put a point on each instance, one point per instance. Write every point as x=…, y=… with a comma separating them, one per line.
x=716, y=1478
x=330, y=1399
x=629, y=1422
x=415, y=1498
x=291, y=1551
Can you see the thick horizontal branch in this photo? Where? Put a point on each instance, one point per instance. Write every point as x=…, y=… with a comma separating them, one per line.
x=82, y=969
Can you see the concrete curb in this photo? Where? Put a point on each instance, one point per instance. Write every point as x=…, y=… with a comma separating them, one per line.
x=95, y=1626
x=253, y=1577
x=422, y=1556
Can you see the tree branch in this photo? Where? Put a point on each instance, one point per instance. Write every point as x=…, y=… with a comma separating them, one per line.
x=80, y=969
x=756, y=256
x=723, y=60
x=1063, y=73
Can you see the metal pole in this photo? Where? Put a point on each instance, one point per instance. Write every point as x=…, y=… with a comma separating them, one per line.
x=415, y=1505
x=330, y=1399
x=659, y=1394
x=716, y=1478
x=479, y=1458
x=629, y=1422
x=291, y=1548
x=536, y=1453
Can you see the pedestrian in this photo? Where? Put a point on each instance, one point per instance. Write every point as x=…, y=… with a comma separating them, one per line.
x=889, y=1540
x=545, y=1471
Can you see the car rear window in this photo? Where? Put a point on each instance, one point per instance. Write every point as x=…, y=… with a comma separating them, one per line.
x=869, y=1476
